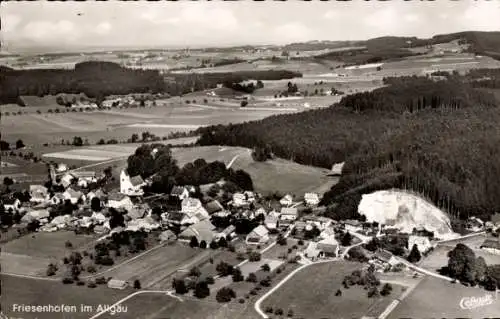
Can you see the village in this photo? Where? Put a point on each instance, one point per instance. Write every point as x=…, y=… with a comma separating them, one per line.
x=200, y=217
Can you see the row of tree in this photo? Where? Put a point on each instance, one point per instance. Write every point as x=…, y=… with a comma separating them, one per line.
x=156, y=161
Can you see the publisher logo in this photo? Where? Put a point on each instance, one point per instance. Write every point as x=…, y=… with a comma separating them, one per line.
x=470, y=303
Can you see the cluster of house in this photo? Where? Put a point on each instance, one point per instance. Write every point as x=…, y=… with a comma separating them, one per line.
x=127, y=100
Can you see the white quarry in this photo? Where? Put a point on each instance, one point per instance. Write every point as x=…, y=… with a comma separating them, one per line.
x=405, y=210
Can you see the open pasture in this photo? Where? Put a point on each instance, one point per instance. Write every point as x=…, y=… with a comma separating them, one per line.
x=149, y=268
x=311, y=294
x=422, y=303
x=161, y=306
x=30, y=254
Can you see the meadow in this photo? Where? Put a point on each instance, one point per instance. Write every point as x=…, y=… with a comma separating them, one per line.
x=309, y=295
x=422, y=301
x=31, y=254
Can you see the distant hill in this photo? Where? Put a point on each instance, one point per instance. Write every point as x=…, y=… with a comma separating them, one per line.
x=391, y=47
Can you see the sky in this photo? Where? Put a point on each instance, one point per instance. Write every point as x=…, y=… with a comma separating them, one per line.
x=75, y=25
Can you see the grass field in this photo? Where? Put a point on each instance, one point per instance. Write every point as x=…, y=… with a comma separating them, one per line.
x=152, y=265
x=422, y=301
x=157, y=306
x=30, y=254
x=29, y=292
x=311, y=294
x=439, y=256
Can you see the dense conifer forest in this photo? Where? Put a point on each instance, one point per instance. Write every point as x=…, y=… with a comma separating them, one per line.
x=438, y=138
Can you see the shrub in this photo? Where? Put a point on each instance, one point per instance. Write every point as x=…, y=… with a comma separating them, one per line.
x=225, y=294
x=67, y=280
x=91, y=285
x=252, y=277
x=80, y=283
x=254, y=256
x=290, y=313
x=100, y=281
x=269, y=309
x=386, y=289
x=338, y=293
x=241, y=300
x=278, y=312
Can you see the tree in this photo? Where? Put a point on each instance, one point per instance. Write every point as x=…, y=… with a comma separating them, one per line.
x=224, y=269
x=265, y=267
x=281, y=240
x=225, y=294
x=51, y=269
x=237, y=275
x=386, y=289
x=4, y=146
x=373, y=245
x=19, y=144
x=95, y=204
x=254, y=256
x=194, y=242
x=481, y=269
x=195, y=272
x=346, y=239
x=213, y=245
x=77, y=141
x=461, y=263
x=201, y=290
x=338, y=292
x=137, y=284
x=414, y=255
x=203, y=244
x=260, y=84
x=243, y=103
x=7, y=181
x=134, y=138
x=252, y=277
x=222, y=242
x=180, y=286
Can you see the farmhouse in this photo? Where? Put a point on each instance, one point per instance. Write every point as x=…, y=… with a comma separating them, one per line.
x=57, y=199
x=66, y=180
x=178, y=219
x=61, y=167
x=271, y=220
x=289, y=213
x=167, y=236
x=311, y=199
x=11, y=204
x=312, y=252
x=474, y=224
x=131, y=186
x=118, y=200
x=337, y=169
x=385, y=257
x=422, y=242
x=38, y=193
x=239, y=199
x=258, y=235
x=287, y=200
x=179, y=192
x=193, y=207
x=228, y=232
x=117, y=284
x=329, y=247
x=203, y=230
x=73, y=196
x=491, y=246
x=353, y=225
x=214, y=207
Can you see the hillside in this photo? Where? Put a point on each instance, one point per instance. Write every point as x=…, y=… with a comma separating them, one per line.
x=390, y=47
x=436, y=138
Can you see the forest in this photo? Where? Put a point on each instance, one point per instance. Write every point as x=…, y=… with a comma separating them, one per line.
x=437, y=138
x=183, y=83
x=95, y=79
x=155, y=161
x=100, y=79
